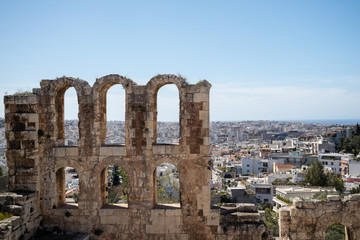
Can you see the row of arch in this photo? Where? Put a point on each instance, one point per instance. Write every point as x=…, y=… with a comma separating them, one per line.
x=95, y=98
x=114, y=186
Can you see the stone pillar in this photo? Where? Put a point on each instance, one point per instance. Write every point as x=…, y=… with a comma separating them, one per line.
x=22, y=130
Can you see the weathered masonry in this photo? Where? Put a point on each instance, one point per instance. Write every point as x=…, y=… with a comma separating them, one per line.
x=308, y=220
x=37, y=157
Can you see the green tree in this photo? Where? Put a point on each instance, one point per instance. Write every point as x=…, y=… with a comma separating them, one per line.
x=167, y=188
x=272, y=222
x=355, y=190
x=357, y=130
x=119, y=187
x=113, y=195
x=314, y=175
x=116, y=176
x=335, y=181
x=335, y=232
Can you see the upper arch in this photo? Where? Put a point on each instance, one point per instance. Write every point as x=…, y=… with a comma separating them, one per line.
x=103, y=84
x=160, y=80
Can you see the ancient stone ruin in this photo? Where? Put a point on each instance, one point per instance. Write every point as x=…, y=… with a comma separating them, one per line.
x=309, y=219
x=37, y=157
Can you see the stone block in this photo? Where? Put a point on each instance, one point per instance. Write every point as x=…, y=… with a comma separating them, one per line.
x=246, y=207
x=123, y=220
x=159, y=149
x=59, y=152
x=173, y=224
x=333, y=197
x=157, y=213
x=108, y=220
x=213, y=219
x=105, y=151
x=172, y=212
x=119, y=151
x=203, y=115
x=106, y=212
x=71, y=151
x=207, y=141
x=201, y=97
x=33, y=117
x=172, y=149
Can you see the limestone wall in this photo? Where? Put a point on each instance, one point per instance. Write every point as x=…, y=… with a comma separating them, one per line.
x=309, y=219
x=26, y=217
x=37, y=157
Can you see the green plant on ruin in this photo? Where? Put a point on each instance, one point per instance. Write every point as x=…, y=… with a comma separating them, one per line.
x=21, y=92
x=181, y=77
x=202, y=83
x=4, y=215
x=272, y=222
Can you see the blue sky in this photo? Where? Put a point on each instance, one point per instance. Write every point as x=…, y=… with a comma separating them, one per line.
x=265, y=59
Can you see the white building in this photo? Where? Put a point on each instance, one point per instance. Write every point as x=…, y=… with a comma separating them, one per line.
x=333, y=161
x=257, y=165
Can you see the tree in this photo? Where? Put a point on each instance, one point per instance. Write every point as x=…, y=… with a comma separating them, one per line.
x=113, y=195
x=335, y=181
x=116, y=176
x=118, y=189
x=357, y=130
x=335, y=232
x=355, y=190
x=167, y=189
x=272, y=222
x=314, y=175
x=2, y=173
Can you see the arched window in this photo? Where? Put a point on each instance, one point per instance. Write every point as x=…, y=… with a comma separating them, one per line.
x=335, y=231
x=71, y=120
x=115, y=115
x=167, y=184
x=67, y=187
x=168, y=127
x=114, y=186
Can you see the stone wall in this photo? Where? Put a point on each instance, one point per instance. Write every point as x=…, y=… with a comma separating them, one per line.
x=37, y=157
x=26, y=217
x=309, y=219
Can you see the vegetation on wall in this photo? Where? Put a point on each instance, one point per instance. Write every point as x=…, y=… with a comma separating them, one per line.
x=271, y=222
x=4, y=215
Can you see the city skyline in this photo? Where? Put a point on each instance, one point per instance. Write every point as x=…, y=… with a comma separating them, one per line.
x=273, y=60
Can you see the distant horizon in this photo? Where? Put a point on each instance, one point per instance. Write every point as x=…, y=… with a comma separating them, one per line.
x=316, y=121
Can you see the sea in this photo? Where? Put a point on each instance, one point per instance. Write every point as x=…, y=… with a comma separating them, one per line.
x=329, y=121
